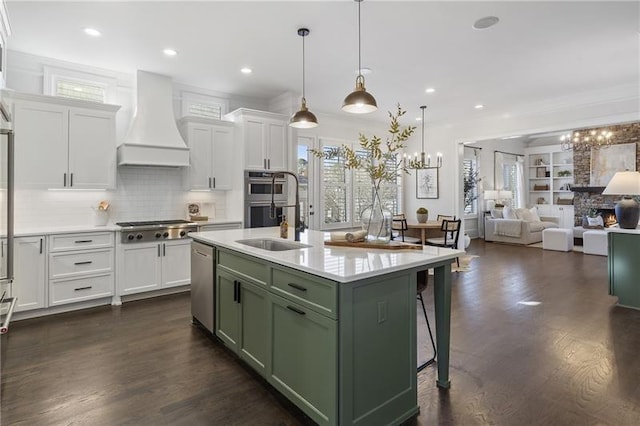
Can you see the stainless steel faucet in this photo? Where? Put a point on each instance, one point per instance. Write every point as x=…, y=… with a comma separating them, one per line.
x=298, y=226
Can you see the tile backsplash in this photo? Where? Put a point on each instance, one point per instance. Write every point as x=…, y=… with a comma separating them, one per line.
x=143, y=193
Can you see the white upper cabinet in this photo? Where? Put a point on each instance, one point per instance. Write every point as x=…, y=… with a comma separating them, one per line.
x=211, y=148
x=264, y=136
x=63, y=143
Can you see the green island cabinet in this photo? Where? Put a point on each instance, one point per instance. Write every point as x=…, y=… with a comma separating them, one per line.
x=624, y=268
x=344, y=353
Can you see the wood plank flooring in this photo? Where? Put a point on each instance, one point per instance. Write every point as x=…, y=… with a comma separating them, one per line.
x=574, y=359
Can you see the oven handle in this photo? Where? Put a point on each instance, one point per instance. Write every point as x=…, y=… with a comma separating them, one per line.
x=4, y=328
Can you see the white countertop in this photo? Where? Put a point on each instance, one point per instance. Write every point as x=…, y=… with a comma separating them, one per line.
x=69, y=229
x=342, y=264
x=47, y=230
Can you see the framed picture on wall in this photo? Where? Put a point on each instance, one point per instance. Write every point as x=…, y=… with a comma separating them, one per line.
x=427, y=182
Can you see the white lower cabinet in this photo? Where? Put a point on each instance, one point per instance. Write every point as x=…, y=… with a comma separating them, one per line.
x=81, y=267
x=30, y=278
x=152, y=266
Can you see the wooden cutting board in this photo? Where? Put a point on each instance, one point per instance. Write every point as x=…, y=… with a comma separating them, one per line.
x=391, y=245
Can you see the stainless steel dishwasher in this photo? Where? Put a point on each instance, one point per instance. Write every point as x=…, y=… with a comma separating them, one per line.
x=203, y=265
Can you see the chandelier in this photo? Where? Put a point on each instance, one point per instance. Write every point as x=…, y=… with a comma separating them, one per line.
x=584, y=141
x=422, y=161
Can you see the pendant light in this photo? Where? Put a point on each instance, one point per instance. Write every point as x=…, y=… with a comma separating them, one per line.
x=424, y=161
x=303, y=119
x=359, y=101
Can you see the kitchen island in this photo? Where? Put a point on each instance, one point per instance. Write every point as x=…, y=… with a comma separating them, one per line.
x=331, y=328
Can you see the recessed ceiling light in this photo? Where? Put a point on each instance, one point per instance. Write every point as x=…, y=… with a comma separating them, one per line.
x=364, y=71
x=430, y=90
x=479, y=106
x=418, y=118
x=486, y=22
x=169, y=52
x=512, y=137
x=246, y=70
x=92, y=32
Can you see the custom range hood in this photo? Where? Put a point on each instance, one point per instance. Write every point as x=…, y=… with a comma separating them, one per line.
x=153, y=138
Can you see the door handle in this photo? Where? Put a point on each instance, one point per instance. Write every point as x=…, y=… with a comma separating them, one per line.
x=209, y=182
x=82, y=288
x=158, y=250
x=83, y=241
x=164, y=249
x=239, y=289
x=86, y=262
x=235, y=290
x=269, y=163
x=71, y=179
x=64, y=180
x=264, y=163
x=40, y=245
x=214, y=183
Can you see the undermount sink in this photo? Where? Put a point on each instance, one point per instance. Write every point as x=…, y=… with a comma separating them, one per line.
x=272, y=245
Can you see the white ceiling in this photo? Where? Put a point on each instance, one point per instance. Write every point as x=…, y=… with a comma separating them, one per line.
x=538, y=51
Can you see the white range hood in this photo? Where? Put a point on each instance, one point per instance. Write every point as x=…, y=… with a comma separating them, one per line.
x=153, y=138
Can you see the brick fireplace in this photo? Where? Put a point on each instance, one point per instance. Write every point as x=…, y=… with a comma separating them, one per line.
x=585, y=201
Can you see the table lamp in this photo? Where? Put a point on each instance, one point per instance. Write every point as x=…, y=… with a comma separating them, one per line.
x=627, y=210
x=490, y=197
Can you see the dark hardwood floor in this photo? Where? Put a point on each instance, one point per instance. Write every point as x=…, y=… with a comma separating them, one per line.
x=573, y=359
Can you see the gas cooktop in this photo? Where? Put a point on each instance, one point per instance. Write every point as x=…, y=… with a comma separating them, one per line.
x=152, y=230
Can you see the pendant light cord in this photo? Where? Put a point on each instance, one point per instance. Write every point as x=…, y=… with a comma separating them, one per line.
x=423, y=108
x=359, y=41
x=303, y=68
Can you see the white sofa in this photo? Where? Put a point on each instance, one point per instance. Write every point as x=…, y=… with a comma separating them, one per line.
x=526, y=230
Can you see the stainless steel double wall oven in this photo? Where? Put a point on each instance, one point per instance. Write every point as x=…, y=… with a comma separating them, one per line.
x=258, y=186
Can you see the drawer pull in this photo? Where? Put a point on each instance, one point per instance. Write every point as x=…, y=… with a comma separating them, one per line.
x=86, y=262
x=82, y=288
x=296, y=310
x=297, y=287
x=83, y=241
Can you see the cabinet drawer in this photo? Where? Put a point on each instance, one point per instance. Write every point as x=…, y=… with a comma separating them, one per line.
x=79, y=289
x=69, y=264
x=244, y=266
x=64, y=242
x=313, y=292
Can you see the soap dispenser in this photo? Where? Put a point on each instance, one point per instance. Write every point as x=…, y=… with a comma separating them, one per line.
x=284, y=227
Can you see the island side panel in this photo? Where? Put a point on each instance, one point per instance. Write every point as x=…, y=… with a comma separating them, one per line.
x=377, y=364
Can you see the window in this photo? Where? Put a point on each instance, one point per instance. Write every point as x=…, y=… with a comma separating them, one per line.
x=510, y=179
x=205, y=106
x=78, y=84
x=346, y=193
x=470, y=179
x=76, y=90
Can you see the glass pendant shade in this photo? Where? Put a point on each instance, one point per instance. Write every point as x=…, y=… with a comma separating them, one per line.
x=303, y=119
x=359, y=101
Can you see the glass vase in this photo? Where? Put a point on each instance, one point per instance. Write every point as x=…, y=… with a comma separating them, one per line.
x=376, y=220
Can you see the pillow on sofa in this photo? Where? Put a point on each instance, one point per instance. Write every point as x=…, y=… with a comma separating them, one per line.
x=509, y=213
x=529, y=215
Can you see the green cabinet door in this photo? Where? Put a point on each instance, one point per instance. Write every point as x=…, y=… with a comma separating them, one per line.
x=227, y=309
x=304, y=358
x=624, y=268
x=254, y=339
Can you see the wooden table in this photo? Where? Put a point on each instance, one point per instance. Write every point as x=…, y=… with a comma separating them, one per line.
x=430, y=228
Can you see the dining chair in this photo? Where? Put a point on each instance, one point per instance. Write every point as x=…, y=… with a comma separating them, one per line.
x=422, y=278
x=442, y=217
x=399, y=223
x=451, y=232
